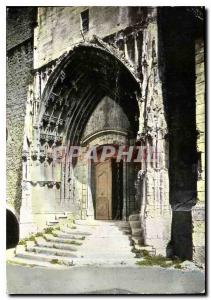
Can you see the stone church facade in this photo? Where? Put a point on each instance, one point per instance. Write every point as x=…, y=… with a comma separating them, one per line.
x=123, y=76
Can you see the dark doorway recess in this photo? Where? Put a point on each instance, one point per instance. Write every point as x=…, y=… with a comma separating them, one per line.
x=117, y=189
x=12, y=230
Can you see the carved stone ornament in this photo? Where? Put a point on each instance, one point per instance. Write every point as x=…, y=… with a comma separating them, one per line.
x=25, y=155
x=141, y=174
x=50, y=184
x=34, y=154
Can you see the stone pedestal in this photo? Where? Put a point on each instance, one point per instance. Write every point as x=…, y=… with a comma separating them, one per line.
x=198, y=235
x=158, y=228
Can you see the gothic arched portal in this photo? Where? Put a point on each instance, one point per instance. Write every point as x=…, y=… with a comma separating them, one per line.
x=78, y=84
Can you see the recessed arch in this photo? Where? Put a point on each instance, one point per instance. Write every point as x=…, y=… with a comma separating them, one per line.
x=85, y=75
x=81, y=79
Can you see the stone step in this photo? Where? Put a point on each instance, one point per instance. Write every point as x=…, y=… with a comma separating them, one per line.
x=104, y=243
x=44, y=243
x=21, y=261
x=135, y=217
x=135, y=224
x=74, y=232
x=149, y=249
x=45, y=258
x=51, y=238
x=51, y=251
x=102, y=223
x=121, y=224
x=52, y=223
x=126, y=231
x=108, y=261
x=62, y=217
x=136, y=231
x=69, y=236
x=112, y=235
x=111, y=251
x=63, y=263
x=138, y=240
x=124, y=227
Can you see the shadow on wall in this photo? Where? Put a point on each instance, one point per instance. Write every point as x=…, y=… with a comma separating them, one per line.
x=181, y=236
x=12, y=230
x=178, y=30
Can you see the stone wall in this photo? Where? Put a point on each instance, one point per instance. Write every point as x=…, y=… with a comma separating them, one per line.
x=19, y=66
x=59, y=28
x=20, y=24
x=198, y=212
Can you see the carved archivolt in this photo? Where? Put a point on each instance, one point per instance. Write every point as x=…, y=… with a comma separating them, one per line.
x=60, y=98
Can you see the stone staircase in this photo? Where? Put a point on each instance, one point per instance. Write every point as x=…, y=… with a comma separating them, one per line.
x=137, y=237
x=82, y=243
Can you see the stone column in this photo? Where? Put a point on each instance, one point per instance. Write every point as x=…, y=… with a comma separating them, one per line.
x=27, y=225
x=124, y=210
x=90, y=206
x=157, y=213
x=26, y=221
x=136, y=49
x=198, y=211
x=37, y=96
x=125, y=48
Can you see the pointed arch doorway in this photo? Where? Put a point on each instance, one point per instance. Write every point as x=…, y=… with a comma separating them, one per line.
x=67, y=117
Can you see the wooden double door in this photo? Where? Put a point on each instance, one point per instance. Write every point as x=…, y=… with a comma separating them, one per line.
x=108, y=190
